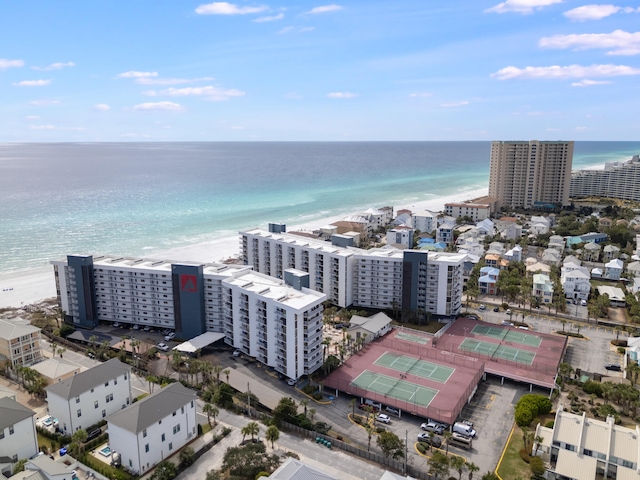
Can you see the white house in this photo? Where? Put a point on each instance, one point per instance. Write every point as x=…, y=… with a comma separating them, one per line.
x=575, y=281
x=539, y=225
x=154, y=428
x=591, y=252
x=542, y=288
x=88, y=397
x=444, y=231
x=634, y=269
x=557, y=242
x=514, y=254
x=18, y=437
x=373, y=327
x=400, y=237
x=613, y=269
x=616, y=295
x=44, y=468
x=609, y=252
x=551, y=256
x=485, y=227
x=425, y=221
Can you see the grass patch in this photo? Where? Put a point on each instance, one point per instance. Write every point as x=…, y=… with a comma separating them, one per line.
x=512, y=465
x=431, y=327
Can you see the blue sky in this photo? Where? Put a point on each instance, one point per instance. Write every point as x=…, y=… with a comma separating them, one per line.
x=359, y=70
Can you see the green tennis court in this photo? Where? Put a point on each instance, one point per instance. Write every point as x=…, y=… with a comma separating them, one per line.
x=394, y=388
x=497, y=351
x=507, y=335
x=415, y=366
x=410, y=337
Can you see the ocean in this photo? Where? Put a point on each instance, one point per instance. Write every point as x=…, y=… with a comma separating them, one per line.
x=140, y=198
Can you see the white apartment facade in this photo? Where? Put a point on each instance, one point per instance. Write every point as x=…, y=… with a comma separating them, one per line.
x=20, y=343
x=617, y=180
x=154, y=428
x=526, y=173
x=477, y=212
x=425, y=221
x=377, y=278
x=18, y=438
x=91, y=396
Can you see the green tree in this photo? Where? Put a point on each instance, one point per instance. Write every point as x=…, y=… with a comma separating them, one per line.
x=247, y=461
x=78, y=438
x=537, y=467
x=272, y=435
x=165, y=470
x=210, y=411
x=285, y=411
x=391, y=445
x=473, y=468
x=187, y=456
x=438, y=465
x=251, y=428
x=490, y=476
x=458, y=464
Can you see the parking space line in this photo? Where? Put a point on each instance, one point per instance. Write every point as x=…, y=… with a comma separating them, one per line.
x=491, y=399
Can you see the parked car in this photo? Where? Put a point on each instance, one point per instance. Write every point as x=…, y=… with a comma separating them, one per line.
x=291, y=382
x=395, y=411
x=147, y=328
x=373, y=404
x=169, y=336
x=482, y=307
x=583, y=303
x=496, y=309
x=613, y=366
x=136, y=327
x=434, y=441
x=508, y=312
x=236, y=353
x=432, y=427
x=464, y=429
x=507, y=323
x=381, y=417
x=162, y=347
x=117, y=324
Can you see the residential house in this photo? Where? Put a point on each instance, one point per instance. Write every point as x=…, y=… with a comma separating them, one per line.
x=425, y=221
x=539, y=225
x=613, y=269
x=55, y=370
x=572, y=259
x=378, y=217
x=556, y=242
x=542, y=288
x=369, y=328
x=400, y=237
x=615, y=294
x=537, y=267
x=89, y=397
x=485, y=227
x=444, y=231
x=514, y=254
x=487, y=280
x=402, y=219
x=551, y=256
x=510, y=231
x=154, y=428
x=575, y=281
x=44, y=468
x=633, y=269
x=293, y=469
x=634, y=285
x=609, y=252
x=594, y=237
x=604, y=223
x=582, y=448
x=471, y=246
x=354, y=223
x=18, y=438
x=20, y=342
x=591, y=252
x=596, y=272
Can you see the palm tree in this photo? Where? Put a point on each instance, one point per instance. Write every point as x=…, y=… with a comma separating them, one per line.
x=472, y=467
x=272, y=434
x=370, y=429
x=352, y=403
x=251, y=428
x=217, y=369
x=458, y=464
x=447, y=436
x=226, y=373
x=304, y=404
x=211, y=411
x=312, y=412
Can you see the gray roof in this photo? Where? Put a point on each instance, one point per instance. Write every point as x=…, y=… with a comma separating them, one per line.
x=11, y=412
x=54, y=367
x=16, y=329
x=294, y=469
x=49, y=467
x=149, y=410
x=372, y=324
x=85, y=381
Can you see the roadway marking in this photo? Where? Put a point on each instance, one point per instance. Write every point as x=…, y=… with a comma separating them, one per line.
x=491, y=399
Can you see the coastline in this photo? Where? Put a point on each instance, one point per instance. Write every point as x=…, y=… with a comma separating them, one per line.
x=31, y=286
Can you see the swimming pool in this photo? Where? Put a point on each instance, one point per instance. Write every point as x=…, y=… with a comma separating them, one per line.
x=106, y=451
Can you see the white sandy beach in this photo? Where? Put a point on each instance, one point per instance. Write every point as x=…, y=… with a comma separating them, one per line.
x=32, y=286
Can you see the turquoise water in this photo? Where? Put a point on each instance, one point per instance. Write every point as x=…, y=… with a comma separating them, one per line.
x=137, y=198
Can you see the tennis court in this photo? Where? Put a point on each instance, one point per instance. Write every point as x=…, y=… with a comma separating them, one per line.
x=497, y=351
x=507, y=335
x=409, y=337
x=394, y=388
x=414, y=366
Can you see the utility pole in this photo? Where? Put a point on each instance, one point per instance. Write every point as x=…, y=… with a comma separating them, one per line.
x=249, y=398
x=406, y=450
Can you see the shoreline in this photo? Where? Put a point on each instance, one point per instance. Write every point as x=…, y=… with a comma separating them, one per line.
x=25, y=287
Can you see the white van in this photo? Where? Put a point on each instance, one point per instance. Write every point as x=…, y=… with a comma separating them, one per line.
x=464, y=429
x=583, y=303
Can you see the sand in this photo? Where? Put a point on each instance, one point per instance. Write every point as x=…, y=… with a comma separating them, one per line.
x=32, y=286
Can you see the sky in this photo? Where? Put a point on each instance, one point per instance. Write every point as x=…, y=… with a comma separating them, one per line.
x=401, y=70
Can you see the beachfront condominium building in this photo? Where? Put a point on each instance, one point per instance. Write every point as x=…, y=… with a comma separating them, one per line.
x=192, y=299
x=475, y=211
x=617, y=180
x=20, y=343
x=385, y=278
x=527, y=174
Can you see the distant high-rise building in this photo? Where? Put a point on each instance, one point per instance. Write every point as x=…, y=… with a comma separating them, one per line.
x=617, y=180
x=529, y=174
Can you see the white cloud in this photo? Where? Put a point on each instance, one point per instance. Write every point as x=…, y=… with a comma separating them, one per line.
x=45, y=102
x=521, y=6
x=32, y=83
x=102, y=106
x=272, y=18
x=42, y=127
x=55, y=66
x=4, y=63
x=341, y=95
x=225, y=8
x=618, y=42
x=570, y=71
x=170, y=81
x=589, y=83
x=295, y=30
x=32, y=117
x=209, y=92
x=135, y=74
x=324, y=9
x=591, y=12
x=461, y=103
x=420, y=95
x=162, y=106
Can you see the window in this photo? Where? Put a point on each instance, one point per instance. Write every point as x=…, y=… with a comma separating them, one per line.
x=95, y=404
x=146, y=448
x=162, y=437
x=79, y=413
x=176, y=429
x=1, y=434
x=104, y=413
x=77, y=399
x=115, y=381
x=174, y=413
x=181, y=409
x=144, y=433
x=106, y=384
x=125, y=376
x=170, y=446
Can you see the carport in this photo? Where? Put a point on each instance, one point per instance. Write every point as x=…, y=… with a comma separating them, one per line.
x=198, y=343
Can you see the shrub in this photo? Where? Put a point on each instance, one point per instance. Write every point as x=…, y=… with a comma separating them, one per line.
x=524, y=455
x=421, y=447
x=537, y=467
x=66, y=330
x=317, y=395
x=550, y=424
x=592, y=387
x=621, y=350
x=524, y=415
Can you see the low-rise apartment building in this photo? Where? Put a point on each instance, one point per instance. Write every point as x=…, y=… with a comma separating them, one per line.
x=154, y=428
x=20, y=343
x=91, y=396
x=18, y=439
x=475, y=211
